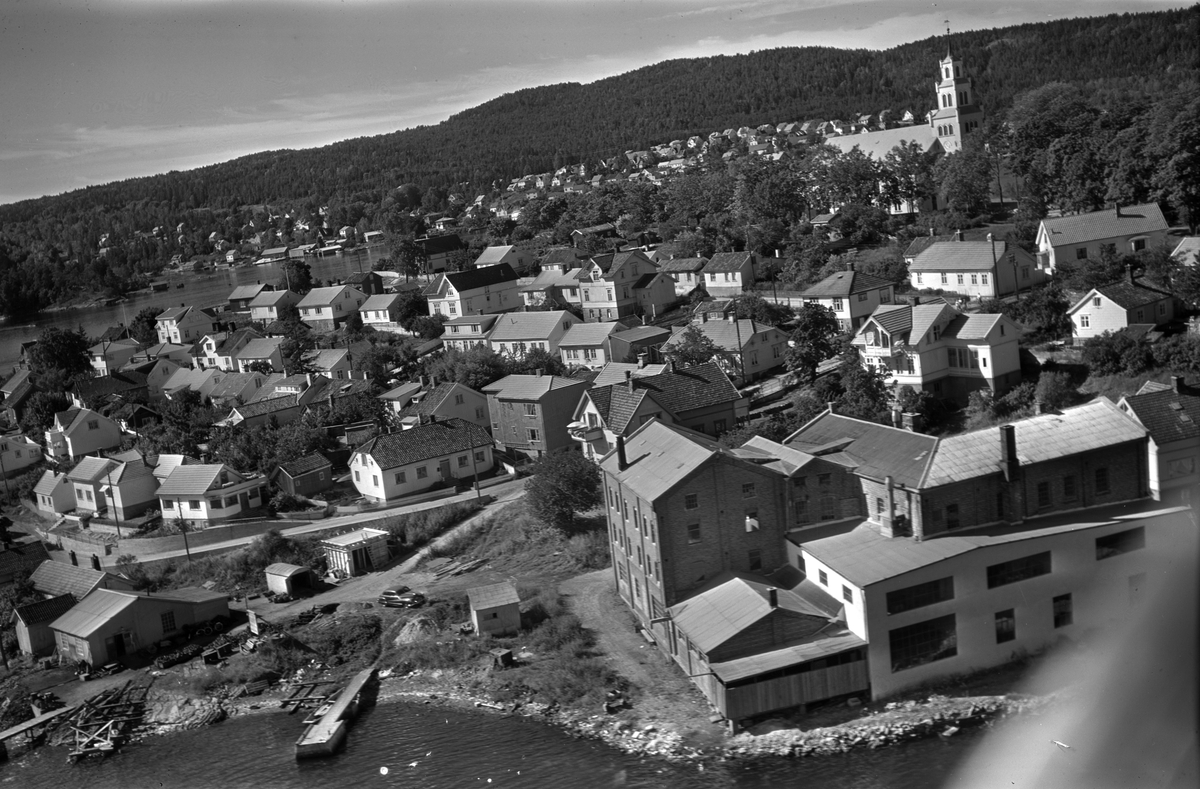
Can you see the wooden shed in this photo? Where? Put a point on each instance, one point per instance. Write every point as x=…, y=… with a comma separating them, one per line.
x=357, y=552
x=34, y=636
x=495, y=609
x=285, y=578
x=306, y=476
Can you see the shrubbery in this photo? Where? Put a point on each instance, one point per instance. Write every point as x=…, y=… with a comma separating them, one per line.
x=418, y=528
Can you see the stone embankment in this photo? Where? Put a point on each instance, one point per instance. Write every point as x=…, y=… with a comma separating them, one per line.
x=170, y=713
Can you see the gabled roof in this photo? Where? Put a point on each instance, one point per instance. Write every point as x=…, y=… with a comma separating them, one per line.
x=484, y=322
x=845, y=283
x=530, y=387
x=726, y=334
x=1187, y=250
x=529, y=325
x=242, y=292
x=359, y=277
x=873, y=450
x=553, y=278
x=972, y=326
x=587, y=334
x=380, y=301
x=1128, y=295
x=323, y=297
x=678, y=391
x=326, y=358
x=104, y=345
x=305, y=465
x=18, y=378
x=960, y=256
x=114, y=383
x=475, y=278
x=1099, y=225
x=91, y=469
x=268, y=405
x=493, y=596
x=614, y=372
x=425, y=442
x=261, y=348
x=22, y=555
x=660, y=456
x=493, y=255
x=682, y=264
x=1042, y=438
x=1167, y=414
x=230, y=342
x=404, y=391
x=432, y=400
x=727, y=262
x=62, y=578
x=195, y=480
x=436, y=245
x=562, y=256
x=643, y=333
x=233, y=384
x=44, y=610
x=269, y=298
x=48, y=482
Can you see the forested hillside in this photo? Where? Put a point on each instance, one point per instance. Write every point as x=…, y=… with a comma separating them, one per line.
x=1114, y=61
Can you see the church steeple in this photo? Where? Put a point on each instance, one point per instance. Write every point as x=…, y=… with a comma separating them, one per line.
x=957, y=114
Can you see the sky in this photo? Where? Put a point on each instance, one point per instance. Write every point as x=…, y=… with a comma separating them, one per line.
x=93, y=91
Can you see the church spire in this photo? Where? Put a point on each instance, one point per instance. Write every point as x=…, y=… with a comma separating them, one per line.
x=946, y=22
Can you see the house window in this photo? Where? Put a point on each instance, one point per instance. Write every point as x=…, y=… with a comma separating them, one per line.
x=960, y=279
x=375, y=480
x=847, y=594
x=422, y=472
x=479, y=412
x=168, y=621
x=1139, y=244
x=533, y=435
x=691, y=501
x=754, y=557
x=748, y=490
x=952, y=521
x=1018, y=569
x=194, y=504
x=862, y=297
x=1025, y=272
x=1063, y=614
x=1068, y=485
x=837, y=305
x=93, y=424
x=479, y=457
x=1121, y=542
x=945, y=279
x=921, y=595
x=983, y=278
x=1006, y=626
x=823, y=577
x=718, y=426
x=401, y=477
x=1043, y=495
x=924, y=642
x=974, y=279
x=357, y=478
x=462, y=461
x=1081, y=253
x=530, y=409
x=878, y=505
x=1102, y=481
x=458, y=399
x=693, y=531
x=1085, y=321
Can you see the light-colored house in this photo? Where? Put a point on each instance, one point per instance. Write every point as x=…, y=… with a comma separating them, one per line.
x=208, y=493
x=268, y=305
x=243, y=296
x=109, y=356
x=620, y=284
x=495, y=609
x=32, y=621
x=975, y=269
x=381, y=312
x=464, y=333
x=1187, y=251
x=327, y=308
x=685, y=272
x=333, y=363
x=236, y=388
x=936, y=348
x=517, y=333
x=440, y=401
x=196, y=380
x=1119, y=305
x=398, y=464
x=495, y=255
x=748, y=349
x=263, y=350
x=113, y=489
x=588, y=345
x=851, y=295
x=222, y=350
x=17, y=453
x=81, y=431
x=54, y=493
x=476, y=292
x=1171, y=414
x=183, y=325
x=109, y=624
x=554, y=287
x=728, y=273
x=1125, y=229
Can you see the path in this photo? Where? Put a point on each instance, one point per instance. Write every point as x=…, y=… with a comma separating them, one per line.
x=501, y=491
x=667, y=696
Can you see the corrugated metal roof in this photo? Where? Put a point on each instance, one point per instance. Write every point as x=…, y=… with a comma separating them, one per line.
x=829, y=642
x=355, y=537
x=530, y=387
x=660, y=457
x=93, y=611
x=493, y=596
x=1100, y=225
x=58, y=578
x=284, y=570
x=877, y=451
x=1084, y=428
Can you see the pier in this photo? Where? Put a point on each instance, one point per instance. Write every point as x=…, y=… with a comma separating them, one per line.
x=328, y=733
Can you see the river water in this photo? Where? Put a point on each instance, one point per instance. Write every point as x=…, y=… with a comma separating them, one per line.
x=202, y=290
x=427, y=747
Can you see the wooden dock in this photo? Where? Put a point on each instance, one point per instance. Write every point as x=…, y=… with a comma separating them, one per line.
x=328, y=733
x=30, y=728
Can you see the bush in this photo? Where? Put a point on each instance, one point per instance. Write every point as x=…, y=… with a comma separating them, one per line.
x=418, y=528
x=287, y=502
x=352, y=640
x=1056, y=391
x=1117, y=354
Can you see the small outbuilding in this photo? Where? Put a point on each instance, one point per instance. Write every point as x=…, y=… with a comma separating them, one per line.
x=286, y=579
x=306, y=476
x=495, y=609
x=34, y=636
x=357, y=552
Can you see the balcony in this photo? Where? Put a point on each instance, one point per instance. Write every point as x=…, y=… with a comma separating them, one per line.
x=582, y=431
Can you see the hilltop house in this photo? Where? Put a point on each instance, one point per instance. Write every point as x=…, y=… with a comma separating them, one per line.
x=410, y=461
x=934, y=347
x=510, y=255
x=475, y=292
x=369, y=282
x=438, y=402
x=54, y=579
x=1125, y=229
x=685, y=272
x=306, y=476
x=113, y=489
x=264, y=350
x=438, y=251
x=243, y=296
x=851, y=296
x=728, y=273
x=466, y=332
x=1122, y=305
x=553, y=287
x=17, y=453
x=382, y=312
x=530, y=413
x=588, y=344
x=108, y=356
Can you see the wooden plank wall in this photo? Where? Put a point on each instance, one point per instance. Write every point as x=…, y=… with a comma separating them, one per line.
x=792, y=691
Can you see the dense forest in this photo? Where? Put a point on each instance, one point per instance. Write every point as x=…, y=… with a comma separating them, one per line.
x=49, y=247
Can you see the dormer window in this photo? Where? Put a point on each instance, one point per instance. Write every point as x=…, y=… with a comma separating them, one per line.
x=937, y=332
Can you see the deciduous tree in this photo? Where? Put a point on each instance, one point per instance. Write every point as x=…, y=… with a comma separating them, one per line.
x=813, y=341
x=564, y=484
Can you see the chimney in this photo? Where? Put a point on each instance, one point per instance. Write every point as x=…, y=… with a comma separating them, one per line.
x=539, y=372
x=914, y=423
x=850, y=267
x=830, y=404
x=931, y=232
x=622, y=461
x=1118, y=207
x=1177, y=383
x=897, y=419
x=1039, y=407
x=422, y=381
x=958, y=235
x=1132, y=280
x=307, y=380
x=629, y=380
x=432, y=381
x=777, y=253
x=642, y=359
x=1008, y=452
x=773, y=597
x=989, y=238
x=886, y=521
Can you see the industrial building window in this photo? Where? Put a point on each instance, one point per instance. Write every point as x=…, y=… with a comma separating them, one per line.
x=1018, y=570
x=748, y=490
x=1063, y=614
x=1000, y=505
x=530, y=409
x=1069, y=492
x=693, y=533
x=1006, y=626
x=823, y=578
x=920, y=595
x=847, y=594
x=1102, y=480
x=168, y=621
x=801, y=511
x=401, y=477
x=755, y=560
x=691, y=501
x=960, y=279
x=534, y=435
x=1043, y=495
x=878, y=505
x=924, y=642
x=828, y=508
x=952, y=521
x=718, y=427
x=1122, y=542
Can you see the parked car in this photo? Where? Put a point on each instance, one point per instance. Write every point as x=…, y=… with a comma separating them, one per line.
x=411, y=600
x=390, y=598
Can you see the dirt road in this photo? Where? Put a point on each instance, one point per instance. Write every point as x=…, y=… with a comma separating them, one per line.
x=663, y=694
